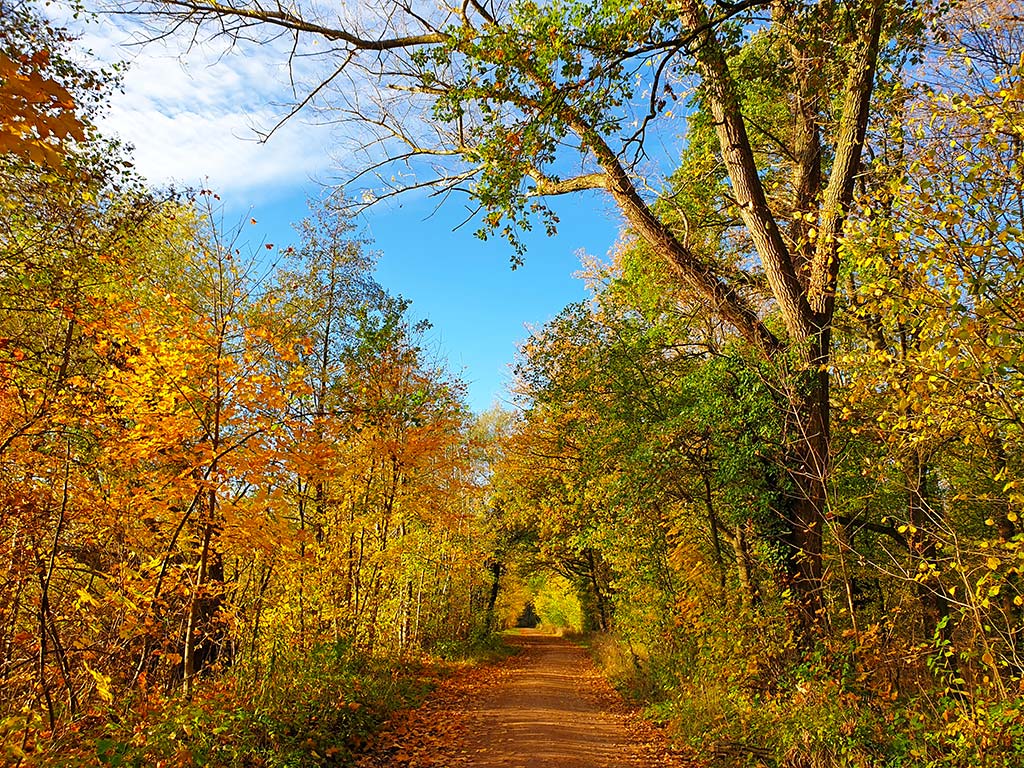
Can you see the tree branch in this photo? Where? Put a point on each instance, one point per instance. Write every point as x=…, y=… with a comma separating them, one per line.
x=723, y=298
x=885, y=530
x=738, y=156
x=281, y=18
x=543, y=185
x=853, y=126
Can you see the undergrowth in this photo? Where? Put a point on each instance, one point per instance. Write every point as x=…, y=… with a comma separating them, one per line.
x=311, y=709
x=317, y=709
x=834, y=709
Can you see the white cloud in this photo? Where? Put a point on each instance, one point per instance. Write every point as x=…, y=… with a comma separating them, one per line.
x=194, y=118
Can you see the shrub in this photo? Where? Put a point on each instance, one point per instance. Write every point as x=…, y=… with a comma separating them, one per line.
x=312, y=710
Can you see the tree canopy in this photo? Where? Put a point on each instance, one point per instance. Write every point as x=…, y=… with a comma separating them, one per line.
x=773, y=462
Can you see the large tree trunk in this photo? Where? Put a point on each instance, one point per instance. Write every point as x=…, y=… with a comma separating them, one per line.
x=604, y=613
x=497, y=569
x=807, y=464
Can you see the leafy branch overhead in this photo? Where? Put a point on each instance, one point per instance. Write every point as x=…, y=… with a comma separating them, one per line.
x=37, y=114
x=526, y=95
x=511, y=104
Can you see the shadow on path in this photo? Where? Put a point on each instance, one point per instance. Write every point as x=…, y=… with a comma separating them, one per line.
x=553, y=709
x=546, y=707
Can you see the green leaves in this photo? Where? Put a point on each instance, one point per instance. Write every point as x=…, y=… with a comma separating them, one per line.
x=519, y=88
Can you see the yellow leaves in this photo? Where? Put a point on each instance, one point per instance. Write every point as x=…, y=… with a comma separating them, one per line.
x=187, y=439
x=102, y=683
x=85, y=598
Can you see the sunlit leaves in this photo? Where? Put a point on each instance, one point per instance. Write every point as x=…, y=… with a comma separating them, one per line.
x=206, y=464
x=37, y=114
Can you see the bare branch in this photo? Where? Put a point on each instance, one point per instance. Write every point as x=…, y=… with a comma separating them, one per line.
x=282, y=18
x=484, y=13
x=298, y=106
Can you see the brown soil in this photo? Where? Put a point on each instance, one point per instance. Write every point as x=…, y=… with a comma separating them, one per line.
x=546, y=707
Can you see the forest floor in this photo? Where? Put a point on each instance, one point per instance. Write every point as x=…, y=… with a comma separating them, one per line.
x=547, y=706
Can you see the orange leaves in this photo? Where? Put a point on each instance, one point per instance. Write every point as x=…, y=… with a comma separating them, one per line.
x=428, y=737
x=259, y=529
x=36, y=113
x=210, y=463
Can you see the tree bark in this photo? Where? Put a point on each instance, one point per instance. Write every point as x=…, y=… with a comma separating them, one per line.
x=603, y=610
x=497, y=569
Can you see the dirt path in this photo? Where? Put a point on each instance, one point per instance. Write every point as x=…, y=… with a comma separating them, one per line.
x=547, y=707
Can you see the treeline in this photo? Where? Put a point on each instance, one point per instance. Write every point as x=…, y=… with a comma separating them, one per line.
x=658, y=466
x=219, y=462
x=776, y=457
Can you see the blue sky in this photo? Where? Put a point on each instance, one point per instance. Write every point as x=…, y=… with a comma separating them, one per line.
x=479, y=307
x=192, y=120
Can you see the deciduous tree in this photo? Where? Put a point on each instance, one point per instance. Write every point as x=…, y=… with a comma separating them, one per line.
x=514, y=104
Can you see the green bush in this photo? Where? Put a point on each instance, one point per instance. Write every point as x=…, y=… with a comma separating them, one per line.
x=813, y=712
x=316, y=710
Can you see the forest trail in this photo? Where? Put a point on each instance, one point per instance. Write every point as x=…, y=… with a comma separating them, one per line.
x=546, y=707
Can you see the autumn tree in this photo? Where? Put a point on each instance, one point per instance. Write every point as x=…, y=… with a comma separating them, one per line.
x=375, y=437
x=931, y=336
x=204, y=464
x=191, y=437
x=40, y=118
x=646, y=461
x=69, y=233
x=515, y=104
